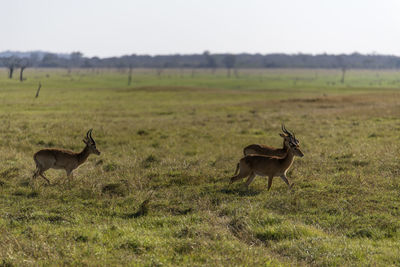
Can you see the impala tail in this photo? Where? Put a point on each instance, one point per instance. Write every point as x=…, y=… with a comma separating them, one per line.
x=237, y=168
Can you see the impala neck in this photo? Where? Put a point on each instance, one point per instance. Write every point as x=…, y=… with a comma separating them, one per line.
x=285, y=148
x=83, y=155
x=287, y=161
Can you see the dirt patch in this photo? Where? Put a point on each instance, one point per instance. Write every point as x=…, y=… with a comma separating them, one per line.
x=165, y=89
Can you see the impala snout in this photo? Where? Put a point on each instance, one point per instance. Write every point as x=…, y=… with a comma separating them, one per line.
x=97, y=152
x=299, y=153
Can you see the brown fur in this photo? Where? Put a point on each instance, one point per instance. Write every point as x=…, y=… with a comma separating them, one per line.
x=265, y=150
x=272, y=151
x=53, y=158
x=252, y=165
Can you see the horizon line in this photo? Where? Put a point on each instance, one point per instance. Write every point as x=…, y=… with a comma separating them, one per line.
x=374, y=53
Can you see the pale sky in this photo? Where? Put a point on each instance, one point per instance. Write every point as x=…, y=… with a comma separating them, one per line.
x=119, y=27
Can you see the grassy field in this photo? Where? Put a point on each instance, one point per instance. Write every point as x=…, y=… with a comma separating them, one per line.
x=174, y=140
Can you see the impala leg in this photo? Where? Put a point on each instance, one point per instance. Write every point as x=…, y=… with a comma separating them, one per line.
x=36, y=173
x=284, y=178
x=70, y=176
x=44, y=177
x=270, y=181
x=39, y=172
x=242, y=174
x=250, y=179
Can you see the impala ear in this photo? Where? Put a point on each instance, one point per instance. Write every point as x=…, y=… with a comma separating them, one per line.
x=282, y=135
x=85, y=141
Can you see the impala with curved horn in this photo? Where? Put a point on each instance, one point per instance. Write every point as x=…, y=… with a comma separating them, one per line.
x=53, y=158
x=272, y=151
x=252, y=165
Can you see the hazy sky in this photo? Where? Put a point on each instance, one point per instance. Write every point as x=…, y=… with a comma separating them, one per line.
x=116, y=27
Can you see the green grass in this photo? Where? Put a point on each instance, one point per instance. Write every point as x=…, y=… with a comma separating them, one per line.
x=176, y=139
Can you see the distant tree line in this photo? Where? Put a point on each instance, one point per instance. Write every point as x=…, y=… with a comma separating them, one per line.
x=205, y=60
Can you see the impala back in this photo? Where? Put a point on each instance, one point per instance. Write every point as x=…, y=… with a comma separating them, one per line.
x=263, y=150
x=54, y=158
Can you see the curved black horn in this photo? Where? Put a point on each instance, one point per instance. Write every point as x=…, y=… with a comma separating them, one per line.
x=87, y=134
x=91, y=138
x=285, y=130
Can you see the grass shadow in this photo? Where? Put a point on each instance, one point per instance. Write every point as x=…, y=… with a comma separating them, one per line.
x=241, y=191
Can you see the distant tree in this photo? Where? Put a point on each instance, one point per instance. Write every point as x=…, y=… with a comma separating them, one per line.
x=23, y=64
x=159, y=71
x=229, y=62
x=76, y=58
x=210, y=61
x=342, y=66
x=34, y=59
x=87, y=63
x=236, y=72
x=10, y=63
x=50, y=60
x=130, y=75
x=204, y=60
x=269, y=64
x=344, y=69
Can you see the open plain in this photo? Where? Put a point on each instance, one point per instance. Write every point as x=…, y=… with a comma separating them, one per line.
x=159, y=193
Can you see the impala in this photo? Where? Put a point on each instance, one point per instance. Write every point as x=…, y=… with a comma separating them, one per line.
x=252, y=165
x=63, y=159
x=271, y=151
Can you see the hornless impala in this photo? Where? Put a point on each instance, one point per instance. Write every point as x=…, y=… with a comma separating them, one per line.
x=271, y=151
x=252, y=165
x=63, y=159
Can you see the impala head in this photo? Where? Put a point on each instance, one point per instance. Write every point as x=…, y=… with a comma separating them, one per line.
x=291, y=142
x=90, y=143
